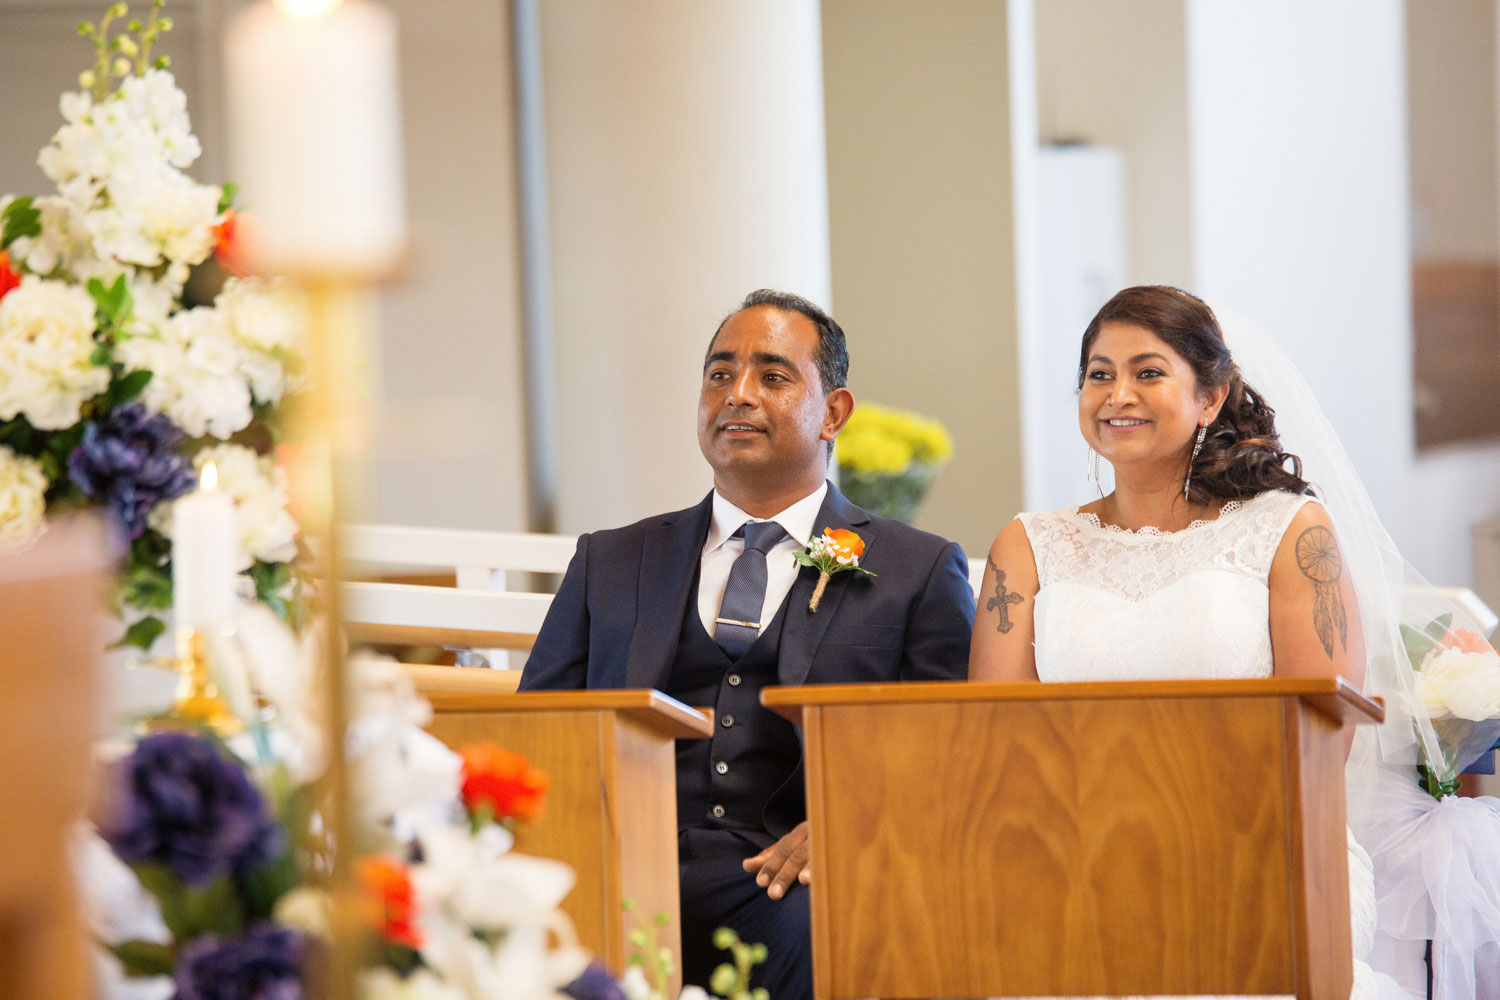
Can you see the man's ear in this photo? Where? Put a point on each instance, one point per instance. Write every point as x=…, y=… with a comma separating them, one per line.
x=838, y=405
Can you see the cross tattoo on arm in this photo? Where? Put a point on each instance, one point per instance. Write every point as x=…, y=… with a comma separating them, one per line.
x=1002, y=600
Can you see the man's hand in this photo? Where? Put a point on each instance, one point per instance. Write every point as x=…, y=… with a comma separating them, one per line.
x=783, y=863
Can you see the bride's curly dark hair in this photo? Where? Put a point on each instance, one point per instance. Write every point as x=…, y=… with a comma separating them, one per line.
x=1241, y=455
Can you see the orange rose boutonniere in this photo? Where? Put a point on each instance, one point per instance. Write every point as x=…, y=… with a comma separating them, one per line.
x=835, y=551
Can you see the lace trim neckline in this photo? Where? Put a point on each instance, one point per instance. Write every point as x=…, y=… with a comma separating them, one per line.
x=1150, y=531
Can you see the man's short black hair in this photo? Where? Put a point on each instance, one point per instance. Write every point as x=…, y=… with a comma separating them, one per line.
x=832, y=354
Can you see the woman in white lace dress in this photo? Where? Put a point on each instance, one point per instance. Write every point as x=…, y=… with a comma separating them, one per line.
x=1210, y=558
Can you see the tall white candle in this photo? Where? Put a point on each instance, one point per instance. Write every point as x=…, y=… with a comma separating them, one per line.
x=203, y=556
x=316, y=137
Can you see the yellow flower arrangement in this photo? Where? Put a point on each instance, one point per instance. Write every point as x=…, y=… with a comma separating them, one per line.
x=887, y=457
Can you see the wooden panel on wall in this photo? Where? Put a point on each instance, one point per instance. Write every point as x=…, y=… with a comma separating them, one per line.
x=1456, y=350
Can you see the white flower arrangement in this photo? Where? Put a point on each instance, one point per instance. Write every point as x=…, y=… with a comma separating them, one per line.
x=23, y=488
x=1460, y=684
x=112, y=383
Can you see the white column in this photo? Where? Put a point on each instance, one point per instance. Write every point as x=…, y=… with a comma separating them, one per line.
x=685, y=168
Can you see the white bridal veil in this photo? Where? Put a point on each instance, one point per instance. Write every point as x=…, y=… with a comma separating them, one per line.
x=1436, y=861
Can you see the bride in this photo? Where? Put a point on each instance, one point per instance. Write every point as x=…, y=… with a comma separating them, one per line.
x=1211, y=558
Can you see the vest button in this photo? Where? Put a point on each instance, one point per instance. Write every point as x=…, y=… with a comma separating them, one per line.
x=727, y=721
x=721, y=767
x=734, y=680
x=718, y=812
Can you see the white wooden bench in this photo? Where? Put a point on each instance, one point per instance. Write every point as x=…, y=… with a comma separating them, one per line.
x=485, y=608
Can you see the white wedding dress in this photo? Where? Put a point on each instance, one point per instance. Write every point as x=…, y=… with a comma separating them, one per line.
x=1191, y=604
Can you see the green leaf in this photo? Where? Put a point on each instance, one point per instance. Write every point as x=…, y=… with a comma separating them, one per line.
x=268, y=883
x=130, y=386
x=189, y=911
x=143, y=958
x=1438, y=627
x=19, y=219
x=227, y=195
x=803, y=559
x=1418, y=644
x=142, y=634
x=101, y=355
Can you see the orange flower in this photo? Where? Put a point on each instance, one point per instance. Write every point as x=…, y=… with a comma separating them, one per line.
x=229, y=242
x=387, y=899
x=847, y=542
x=9, y=279
x=1465, y=641
x=502, y=782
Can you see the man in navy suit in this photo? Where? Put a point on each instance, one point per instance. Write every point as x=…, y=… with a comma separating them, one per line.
x=664, y=603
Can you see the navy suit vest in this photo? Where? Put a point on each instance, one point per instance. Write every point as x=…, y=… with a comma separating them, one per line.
x=727, y=780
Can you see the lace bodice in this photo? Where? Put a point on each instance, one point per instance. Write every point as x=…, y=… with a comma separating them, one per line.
x=1121, y=605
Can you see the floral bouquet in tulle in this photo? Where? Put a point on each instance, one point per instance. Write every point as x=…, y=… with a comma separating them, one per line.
x=1458, y=684
x=888, y=458
x=126, y=359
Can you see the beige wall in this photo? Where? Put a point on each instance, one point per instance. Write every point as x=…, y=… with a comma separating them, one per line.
x=685, y=169
x=1115, y=74
x=451, y=447
x=1451, y=95
x=922, y=233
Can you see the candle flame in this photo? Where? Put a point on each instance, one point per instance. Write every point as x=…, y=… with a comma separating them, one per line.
x=208, y=478
x=306, y=10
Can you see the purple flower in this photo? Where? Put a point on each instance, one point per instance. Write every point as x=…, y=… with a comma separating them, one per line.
x=178, y=801
x=264, y=963
x=595, y=984
x=128, y=458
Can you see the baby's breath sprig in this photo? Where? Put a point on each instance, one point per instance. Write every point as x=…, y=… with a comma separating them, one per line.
x=732, y=981
x=127, y=52
x=654, y=958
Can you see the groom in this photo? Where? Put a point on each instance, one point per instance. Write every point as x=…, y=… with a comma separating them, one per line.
x=708, y=605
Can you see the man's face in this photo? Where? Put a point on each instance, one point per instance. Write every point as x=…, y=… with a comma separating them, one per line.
x=762, y=409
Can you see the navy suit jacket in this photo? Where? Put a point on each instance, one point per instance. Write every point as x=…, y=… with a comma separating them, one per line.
x=617, y=616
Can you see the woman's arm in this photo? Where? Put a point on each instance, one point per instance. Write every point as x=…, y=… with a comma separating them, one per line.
x=1004, y=627
x=1315, y=625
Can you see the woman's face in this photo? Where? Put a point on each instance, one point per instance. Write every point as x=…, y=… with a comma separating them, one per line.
x=1140, y=401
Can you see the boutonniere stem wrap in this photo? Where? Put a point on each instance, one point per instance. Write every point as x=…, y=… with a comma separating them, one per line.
x=835, y=551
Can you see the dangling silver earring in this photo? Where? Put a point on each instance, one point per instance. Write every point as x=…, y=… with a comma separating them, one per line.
x=1094, y=471
x=1197, y=446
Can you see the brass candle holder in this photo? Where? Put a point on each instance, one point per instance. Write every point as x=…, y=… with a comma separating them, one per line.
x=198, y=703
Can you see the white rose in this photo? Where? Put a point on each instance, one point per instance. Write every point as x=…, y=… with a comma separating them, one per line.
x=22, y=500
x=264, y=529
x=1466, y=685
x=196, y=378
x=46, y=337
x=268, y=319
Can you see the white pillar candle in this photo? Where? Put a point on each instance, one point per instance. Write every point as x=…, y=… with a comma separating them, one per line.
x=203, y=556
x=315, y=135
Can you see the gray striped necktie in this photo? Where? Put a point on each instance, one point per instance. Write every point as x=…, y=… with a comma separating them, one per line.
x=739, y=614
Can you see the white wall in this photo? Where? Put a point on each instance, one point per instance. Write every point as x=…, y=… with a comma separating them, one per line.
x=685, y=169
x=1299, y=205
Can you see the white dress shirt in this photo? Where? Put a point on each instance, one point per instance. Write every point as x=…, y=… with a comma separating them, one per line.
x=721, y=550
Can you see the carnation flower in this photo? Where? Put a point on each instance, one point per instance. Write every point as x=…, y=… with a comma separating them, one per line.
x=387, y=899
x=264, y=963
x=23, y=505
x=128, y=459
x=263, y=528
x=176, y=800
x=46, y=338
x=308, y=910
x=501, y=782
x=196, y=373
x=9, y=279
x=595, y=984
